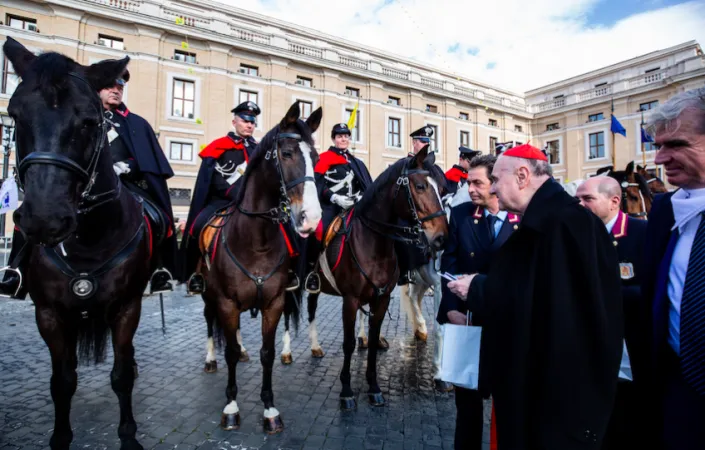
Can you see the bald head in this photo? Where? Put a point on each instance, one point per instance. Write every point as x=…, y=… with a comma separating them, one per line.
x=601, y=195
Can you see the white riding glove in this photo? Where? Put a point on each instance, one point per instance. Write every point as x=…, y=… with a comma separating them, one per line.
x=121, y=168
x=342, y=201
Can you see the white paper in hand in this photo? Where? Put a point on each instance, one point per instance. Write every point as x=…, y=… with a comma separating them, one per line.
x=8, y=196
x=460, y=355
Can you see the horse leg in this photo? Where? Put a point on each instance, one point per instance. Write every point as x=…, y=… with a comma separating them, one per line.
x=350, y=307
x=244, y=356
x=122, y=377
x=417, y=293
x=230, y=318
x=375, y=393
x=62, y=346
x=407, y=304
x=286, y=351
x=211, y=363
x=270, y=319
x=316, y=350
x=362, y=342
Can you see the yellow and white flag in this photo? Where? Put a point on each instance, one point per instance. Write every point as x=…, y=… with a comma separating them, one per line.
x=353, y=116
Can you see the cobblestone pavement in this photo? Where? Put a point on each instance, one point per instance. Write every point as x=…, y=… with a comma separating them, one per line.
x=177, y=405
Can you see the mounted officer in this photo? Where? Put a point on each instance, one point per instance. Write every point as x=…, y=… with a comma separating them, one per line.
x=341, y=179
x=224, y=162
x=457, y=175
x=140, y=163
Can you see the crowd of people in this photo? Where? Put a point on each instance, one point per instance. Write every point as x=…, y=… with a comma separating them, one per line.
x=562, y=286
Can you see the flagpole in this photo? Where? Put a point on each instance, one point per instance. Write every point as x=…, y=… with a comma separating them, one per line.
x=614, y=150
x=643, y=145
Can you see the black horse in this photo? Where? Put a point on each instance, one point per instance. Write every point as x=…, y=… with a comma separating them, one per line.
x=89, y=244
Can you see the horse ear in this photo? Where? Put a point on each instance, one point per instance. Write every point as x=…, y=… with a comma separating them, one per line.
x=291, y=116
x=19, y=56
x=630, y=168
x=418, y=159
x=639, y=168
x=314, y=120
x=103, y=74
x=602, y=170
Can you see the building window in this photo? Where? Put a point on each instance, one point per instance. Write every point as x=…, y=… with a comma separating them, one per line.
x=180, y=197
x=463, y=116
x=552, y=126
x=493, y=144
x=465, y=138
x=249, y=70
x=434, y=137
x=181, y=151
x=650, y=147
x=185, y=56
x=648, y=105
x=21, y=23
x=306, y=82
x=306, y=109
x=355, y=137
x=596, y=117
x=518, y=128
x=111, y=42
x=492, y=122
x=396, y=101
x=553, y=148
x=10, y=80
x=393, y=132
x=354, y=92
x=248, y=96
x=183, y=98
x=432, y=109
x=597, y=145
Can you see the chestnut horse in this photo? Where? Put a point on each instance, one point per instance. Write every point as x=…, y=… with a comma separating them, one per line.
x=636, y=195
x=656, y=184
x=88, y=244
x=360, y=264
x=249, y=261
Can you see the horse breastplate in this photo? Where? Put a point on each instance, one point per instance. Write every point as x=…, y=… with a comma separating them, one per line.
x=341, y=180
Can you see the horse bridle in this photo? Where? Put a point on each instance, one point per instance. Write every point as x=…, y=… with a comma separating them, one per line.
x=282, y=212
x=626, y=185
x=87, y=175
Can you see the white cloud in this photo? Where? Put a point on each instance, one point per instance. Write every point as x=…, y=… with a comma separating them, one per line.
x=511, y=44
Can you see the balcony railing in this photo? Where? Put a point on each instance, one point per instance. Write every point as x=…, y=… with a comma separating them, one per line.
x=551, y=104
x=432, y=83
x=594, y=93
x=127, y=5
x=305, y=50
x=352, y=62
x=250, y=36
x=647, y=78
x=493, y=98
x=183, y=19
x=394, y=73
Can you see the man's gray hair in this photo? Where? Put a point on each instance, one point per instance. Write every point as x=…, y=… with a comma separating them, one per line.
x=674, y=106
x=540, y=168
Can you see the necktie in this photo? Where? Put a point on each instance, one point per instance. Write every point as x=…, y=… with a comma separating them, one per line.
x=692, y=332
x=491, y=220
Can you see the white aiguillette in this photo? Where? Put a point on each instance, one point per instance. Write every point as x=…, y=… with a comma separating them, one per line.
x=239, y=171
x=112, y=134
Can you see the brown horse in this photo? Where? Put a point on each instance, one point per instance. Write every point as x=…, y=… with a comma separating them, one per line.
x=249, y=261
x=89, y=248
x=636, y=196
x=656, y=184
x=366, y=271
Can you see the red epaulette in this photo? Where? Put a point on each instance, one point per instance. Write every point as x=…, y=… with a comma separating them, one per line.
x=328, y=159
x=455, y=175
x=216, y=148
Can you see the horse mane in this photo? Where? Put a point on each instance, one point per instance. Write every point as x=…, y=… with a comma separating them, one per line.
x=49, y=73
x=267, y=143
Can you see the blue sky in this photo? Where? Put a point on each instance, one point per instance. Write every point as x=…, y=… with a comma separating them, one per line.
x=607, y=13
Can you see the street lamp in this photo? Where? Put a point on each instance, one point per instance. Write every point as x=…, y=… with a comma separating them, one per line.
x=8, y=125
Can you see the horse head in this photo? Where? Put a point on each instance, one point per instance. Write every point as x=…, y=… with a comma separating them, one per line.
x=424, y=194
x=656, y=184
x=290, y=145
x=636, y=196
x=59, y=137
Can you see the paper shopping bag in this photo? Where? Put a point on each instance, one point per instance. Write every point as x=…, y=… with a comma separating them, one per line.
x=460, y=355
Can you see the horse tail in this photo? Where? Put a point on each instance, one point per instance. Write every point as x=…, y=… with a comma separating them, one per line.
x=292, y=308
x=92, y=333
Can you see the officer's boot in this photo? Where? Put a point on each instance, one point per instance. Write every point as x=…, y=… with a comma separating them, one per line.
x=161, y=278
x=11, y=283
x=313, y=280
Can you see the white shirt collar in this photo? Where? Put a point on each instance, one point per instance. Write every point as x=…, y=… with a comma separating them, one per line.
x=687, y=203
x=501, y=215
x=609, y=225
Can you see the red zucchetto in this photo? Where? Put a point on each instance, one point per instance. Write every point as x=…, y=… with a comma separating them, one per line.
x=526, y=151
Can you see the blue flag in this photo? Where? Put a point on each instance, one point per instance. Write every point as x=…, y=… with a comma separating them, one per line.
x=645, y=137
x=617, y=127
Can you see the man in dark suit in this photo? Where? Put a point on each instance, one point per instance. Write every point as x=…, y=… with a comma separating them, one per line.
x=674, y=278
x=476, y=231
x=603, y=195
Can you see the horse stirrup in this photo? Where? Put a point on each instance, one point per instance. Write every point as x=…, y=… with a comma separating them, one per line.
x=157, y=272
x=19, y=286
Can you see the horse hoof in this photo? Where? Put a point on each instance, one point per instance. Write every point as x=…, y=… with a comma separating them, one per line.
x=421, y=336
x=362, y=343
x=230, y=421
x=347, y=403
x=317, y=353
x=382, y=345
x=244, y=357
x=273, y=425
x=376, y=399
x=287, y=359
x=211, y=367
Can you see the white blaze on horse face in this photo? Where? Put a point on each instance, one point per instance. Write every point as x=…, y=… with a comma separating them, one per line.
x=433, y=183
x=313, y=334
x=287, y=344
x=210, y=350
x=231, y=408
x=271, y=413
x=311, y=207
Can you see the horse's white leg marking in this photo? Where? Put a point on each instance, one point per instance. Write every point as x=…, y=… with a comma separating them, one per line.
x=210, y=350
x=239, y=341
x=287, y=343
x=407, y=304
x=271, y=413
x=416, y=294
x=362, y=319
x=313, y=334
x=231, y=408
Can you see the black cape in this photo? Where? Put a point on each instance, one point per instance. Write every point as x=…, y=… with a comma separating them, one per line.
x=553, y=326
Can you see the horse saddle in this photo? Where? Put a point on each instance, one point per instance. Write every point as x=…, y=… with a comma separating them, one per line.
x=159, y=222
x=333, y=230
x=207, y=237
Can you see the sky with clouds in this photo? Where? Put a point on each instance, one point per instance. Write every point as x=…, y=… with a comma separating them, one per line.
x=513, y=44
